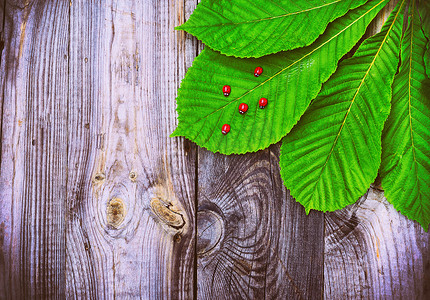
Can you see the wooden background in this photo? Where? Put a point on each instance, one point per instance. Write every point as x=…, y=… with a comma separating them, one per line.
x=96, y=201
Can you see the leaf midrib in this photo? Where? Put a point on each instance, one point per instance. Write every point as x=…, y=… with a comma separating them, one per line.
x=409, y=81
x=289, y=66
x=355, y=95
x=409, y=100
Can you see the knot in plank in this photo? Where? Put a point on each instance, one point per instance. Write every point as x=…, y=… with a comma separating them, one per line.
x=166, y=215
x=210, y=230
x=115, y=212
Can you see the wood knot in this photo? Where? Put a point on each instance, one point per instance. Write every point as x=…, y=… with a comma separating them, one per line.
x=132, y=176
x=166, y=215
x=210, y=230
x=115, y=212
x=99, y=177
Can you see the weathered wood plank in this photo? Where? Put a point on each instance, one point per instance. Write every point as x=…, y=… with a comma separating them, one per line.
x=34, y=149
x=131, y=187
x=2, y=19
x=2, y=77
x=371, y=250
x=254, y=241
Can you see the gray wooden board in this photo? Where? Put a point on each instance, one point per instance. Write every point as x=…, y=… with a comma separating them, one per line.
x=96, y=201
x=373, y=252
x=131, y=188
x=34, y=149
x=254, y=241
x=2, y=20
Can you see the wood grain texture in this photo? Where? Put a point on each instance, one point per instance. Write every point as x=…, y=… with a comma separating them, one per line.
x=2, y=20
x=131, y=198
x=374, y=252
x=254, y=241
x=34, y=150
x=92, y=188
x=2, y=77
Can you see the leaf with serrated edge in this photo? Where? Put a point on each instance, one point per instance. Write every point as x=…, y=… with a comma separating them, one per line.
x=405, y=166
x=423, y=7
x=244, y=28
x=289, y=81
x=333, y=154
x=424, y=14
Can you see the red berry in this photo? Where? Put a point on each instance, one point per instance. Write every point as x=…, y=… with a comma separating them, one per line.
x=225, y=128
x=226, y=89
x=243, y=108
x=262, y=102
x=258, y=71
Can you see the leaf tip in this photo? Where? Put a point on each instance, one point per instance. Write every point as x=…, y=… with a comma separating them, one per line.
x=176, y=132
x=181, y=27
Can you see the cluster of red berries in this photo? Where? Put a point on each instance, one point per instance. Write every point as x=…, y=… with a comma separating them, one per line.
x=243, y=107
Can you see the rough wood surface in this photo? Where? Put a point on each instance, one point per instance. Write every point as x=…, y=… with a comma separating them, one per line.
x=131, y=195
x=97, y=202
x=373, y=252
x=33, y=167
x=2, y=8
x=254, y=241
